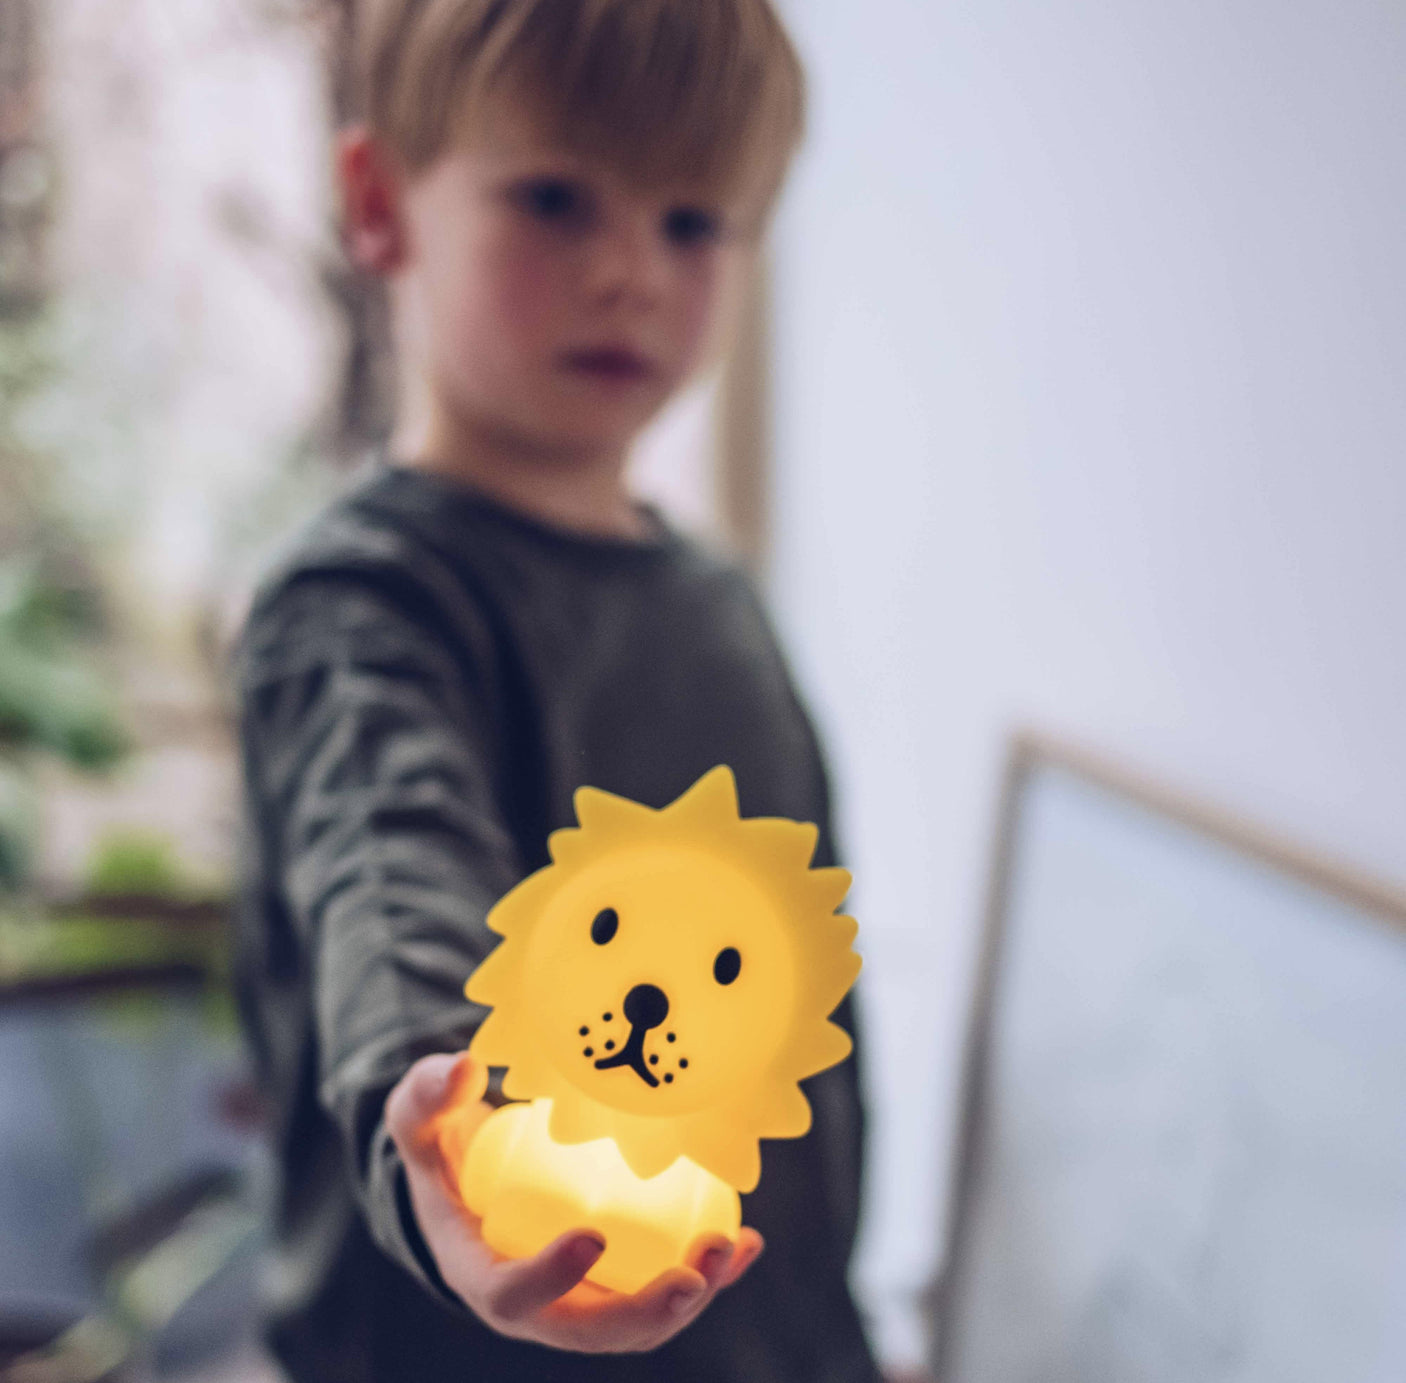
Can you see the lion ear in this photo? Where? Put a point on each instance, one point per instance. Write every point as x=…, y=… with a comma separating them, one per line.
x=780, y=848
x=712, y=797
x=565, y=846
x=607, y=816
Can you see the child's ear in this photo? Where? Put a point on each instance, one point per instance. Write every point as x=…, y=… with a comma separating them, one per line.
x=372, y=186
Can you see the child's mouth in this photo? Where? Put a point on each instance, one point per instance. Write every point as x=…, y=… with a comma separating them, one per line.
x=610, y=363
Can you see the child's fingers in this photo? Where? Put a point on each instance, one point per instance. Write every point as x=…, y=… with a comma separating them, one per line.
x=442, y=1084
x=745, y=1252
x=463, y=1113
x=640, y=1321
x=468, y=1080
x=662, y=1307
x=722, y=1260
x=669, y=1302
x=417, y=1098
x=520, y=1287
x=711, y=1255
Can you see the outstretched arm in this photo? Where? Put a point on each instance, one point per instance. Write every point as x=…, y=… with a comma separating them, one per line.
x=369, y=745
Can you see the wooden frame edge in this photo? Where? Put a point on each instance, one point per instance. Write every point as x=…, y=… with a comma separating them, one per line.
x=1357, y=886
x=1019, y=763
x=742, y=427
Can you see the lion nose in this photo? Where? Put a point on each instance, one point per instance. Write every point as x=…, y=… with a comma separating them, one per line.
x=646, y=1006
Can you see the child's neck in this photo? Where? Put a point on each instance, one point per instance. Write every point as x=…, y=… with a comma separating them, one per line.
x=578, y=489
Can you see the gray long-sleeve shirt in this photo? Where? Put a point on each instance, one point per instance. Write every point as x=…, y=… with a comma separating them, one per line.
x=424, y=681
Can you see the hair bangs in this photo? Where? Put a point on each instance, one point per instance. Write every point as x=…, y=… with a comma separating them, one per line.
x=699, y=91
x=708, y=92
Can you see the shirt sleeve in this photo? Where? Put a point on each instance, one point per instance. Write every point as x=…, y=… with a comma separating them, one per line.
x=366, y=727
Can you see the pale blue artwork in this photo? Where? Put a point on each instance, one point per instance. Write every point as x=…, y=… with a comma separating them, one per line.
x=1189, y=1158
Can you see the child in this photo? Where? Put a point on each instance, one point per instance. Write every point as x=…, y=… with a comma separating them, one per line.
x=563, y=196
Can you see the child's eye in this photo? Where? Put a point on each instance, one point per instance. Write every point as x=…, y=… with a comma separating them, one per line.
x=553, y=199
x=687, y=225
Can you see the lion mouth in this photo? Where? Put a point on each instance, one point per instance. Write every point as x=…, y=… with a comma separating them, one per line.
x=646, y=1006
x=631, y=1055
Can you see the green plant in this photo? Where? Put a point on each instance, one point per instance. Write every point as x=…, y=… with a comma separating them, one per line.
x=53, y=698
x=132, y=862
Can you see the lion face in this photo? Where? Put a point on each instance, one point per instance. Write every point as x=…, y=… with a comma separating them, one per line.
x=660, y=981
x=666, y=981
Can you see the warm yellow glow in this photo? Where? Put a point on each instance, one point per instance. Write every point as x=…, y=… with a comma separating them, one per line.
x=665, y=983
x=529, y=1189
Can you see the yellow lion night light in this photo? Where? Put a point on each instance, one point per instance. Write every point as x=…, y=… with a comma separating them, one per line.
x=661, y=988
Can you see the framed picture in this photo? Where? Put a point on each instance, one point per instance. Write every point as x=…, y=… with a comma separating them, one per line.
x=1185, y=1133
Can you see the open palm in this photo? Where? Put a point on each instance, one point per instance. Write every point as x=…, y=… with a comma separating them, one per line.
x=432, y=1114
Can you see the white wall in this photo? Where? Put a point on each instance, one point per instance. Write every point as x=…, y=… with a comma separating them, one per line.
x=674, y=461
x=1091, y=390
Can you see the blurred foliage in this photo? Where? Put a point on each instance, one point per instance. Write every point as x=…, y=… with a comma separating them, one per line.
x=131, y=862
x=17, y=824
x=54, y=946
x=54, y=697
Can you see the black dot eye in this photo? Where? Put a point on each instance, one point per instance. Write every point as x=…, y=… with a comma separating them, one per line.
x=604, y=927
x=727, y=966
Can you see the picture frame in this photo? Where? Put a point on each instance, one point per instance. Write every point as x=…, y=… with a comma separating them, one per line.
x=1121, y=1207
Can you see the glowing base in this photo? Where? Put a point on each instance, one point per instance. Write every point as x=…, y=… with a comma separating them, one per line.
x=528, y=1189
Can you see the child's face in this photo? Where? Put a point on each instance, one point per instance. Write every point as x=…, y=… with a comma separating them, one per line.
x=553, y=302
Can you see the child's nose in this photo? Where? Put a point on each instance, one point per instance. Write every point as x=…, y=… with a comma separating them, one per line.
x=631, y=260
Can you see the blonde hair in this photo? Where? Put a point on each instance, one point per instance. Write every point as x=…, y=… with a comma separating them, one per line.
x=706, y=91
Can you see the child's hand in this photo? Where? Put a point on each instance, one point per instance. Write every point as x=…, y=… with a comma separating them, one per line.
x=432, y=1114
